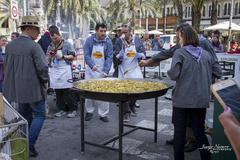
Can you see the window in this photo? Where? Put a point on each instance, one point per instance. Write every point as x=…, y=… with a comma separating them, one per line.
x=204, y=11
x=239, y=8
x=168, y=11
x=225, y=9
x=236, y=8
x=165, y=39
x=171, y=11
x=186, y=12
x=209, y=10
x=219, y=10
x=229, y=8
x=189, y=12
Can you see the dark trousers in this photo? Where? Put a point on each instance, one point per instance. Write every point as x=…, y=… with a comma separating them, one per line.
x=66, y=100
x=197, y=119
x=128, y=106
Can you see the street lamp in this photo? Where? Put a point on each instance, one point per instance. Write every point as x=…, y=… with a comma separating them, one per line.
x=165, y=17
x=230, y=27
x=25, y=7
x=58, y=19
x=147, y=22
x=140, y=19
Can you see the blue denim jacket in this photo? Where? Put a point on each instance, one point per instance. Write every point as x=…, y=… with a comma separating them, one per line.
x=108, y=51
x=156, y=46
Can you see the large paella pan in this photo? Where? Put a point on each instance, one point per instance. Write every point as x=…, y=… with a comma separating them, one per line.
x=115, y=90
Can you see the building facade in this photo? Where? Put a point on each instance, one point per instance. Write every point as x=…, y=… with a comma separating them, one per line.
x=223, y=12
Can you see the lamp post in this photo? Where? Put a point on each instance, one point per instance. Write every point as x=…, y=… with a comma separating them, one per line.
x=147, y=22
x=25, y=7
x=58, y=18
x=230, y=26
x=164, y=16
x=140, y=20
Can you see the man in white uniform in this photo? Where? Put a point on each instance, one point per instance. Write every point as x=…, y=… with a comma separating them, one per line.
x=98, y=53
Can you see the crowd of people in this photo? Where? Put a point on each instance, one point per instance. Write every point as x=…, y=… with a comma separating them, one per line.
x=219, y=47
x=31, y=68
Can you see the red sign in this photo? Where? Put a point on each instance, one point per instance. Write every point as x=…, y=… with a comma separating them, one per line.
x=14, y=9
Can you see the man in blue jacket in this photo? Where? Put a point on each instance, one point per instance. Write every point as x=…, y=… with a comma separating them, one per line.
x=98, y=51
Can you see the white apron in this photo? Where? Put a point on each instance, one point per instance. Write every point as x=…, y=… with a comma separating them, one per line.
x=129, y=67
x=59, y=74
x=99, y=60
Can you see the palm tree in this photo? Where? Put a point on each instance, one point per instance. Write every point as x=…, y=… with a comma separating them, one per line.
x=126, y=10
x=214, y=12
x=77, y=11
x=91, y=9
x=4, y=11
x=196, y=13
x=178, y=4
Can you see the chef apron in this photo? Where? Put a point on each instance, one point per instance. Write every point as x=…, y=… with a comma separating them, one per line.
x=129, y=67
x=99, y=60
x=59, y=74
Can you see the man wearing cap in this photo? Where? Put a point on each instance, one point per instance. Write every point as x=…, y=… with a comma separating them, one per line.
x=26, y=75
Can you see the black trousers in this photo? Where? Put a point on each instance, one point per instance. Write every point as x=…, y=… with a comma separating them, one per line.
x=197, y=118
x=128, y=106
x=66, y=100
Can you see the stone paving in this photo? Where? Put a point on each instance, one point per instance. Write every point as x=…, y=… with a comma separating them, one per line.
x=60, y=137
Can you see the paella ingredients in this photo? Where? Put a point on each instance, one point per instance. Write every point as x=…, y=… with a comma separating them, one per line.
x=121, y=86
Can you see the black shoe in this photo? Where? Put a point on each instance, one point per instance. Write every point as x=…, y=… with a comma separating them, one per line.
x=168, y=97
x=32, y=151
x=88, y=116
x=134, y=113
x=50, y=91
x=190, y=147
x=104, y=119
x=170, y=142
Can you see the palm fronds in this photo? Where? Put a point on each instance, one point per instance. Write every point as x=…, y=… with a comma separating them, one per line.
x=4, y=10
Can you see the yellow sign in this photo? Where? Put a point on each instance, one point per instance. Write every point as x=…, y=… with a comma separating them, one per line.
x=97, y=55
x=130, y=54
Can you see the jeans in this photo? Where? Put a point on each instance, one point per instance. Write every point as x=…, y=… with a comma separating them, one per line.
x=197, y=118
x=34, y=113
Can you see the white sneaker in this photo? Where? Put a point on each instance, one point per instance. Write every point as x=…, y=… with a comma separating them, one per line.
x=72, y=114
x=60, y=113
